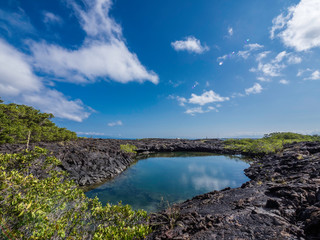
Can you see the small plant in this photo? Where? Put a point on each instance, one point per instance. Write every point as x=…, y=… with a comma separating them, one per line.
x=128, y=148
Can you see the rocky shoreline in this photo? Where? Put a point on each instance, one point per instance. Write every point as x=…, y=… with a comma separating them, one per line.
x=282, y=200
x=93, y=161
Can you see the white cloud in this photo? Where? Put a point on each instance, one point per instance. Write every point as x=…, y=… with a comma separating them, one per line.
x=190, y=44
x=15, y=20
x=117, y=123
x=263, y=79
x=294, y=59
x=270, y=69
x=249, y=49
x=49, y=17
x=55, y=102
x=284, y=82
x=20, y=84
x=207, y=97
x=300, y=28
x=280, y=56
x=256, y=88
x=181, y=100
x=314, y=76
x=262, y=55
x=273, y=68
x=104, y=53
x=91, y=133
x=193, y=111
x=16, y=75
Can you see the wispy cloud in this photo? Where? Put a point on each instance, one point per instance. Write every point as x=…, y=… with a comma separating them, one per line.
x=15, y=22
x=190, y=44
x=50, y=18
x=193, y=111
x=255, y=89
x=248, y=50
x=104, y=53
x=299, y=28
x=91, y=133
x=116, y=123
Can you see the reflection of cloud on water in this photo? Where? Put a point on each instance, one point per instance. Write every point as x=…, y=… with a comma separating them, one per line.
x=184, y=179
x=196, y=168
x=211, y=183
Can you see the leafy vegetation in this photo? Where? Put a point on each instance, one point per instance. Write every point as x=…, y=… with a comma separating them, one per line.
x=270, y=143
x=21, y=124
x=128, y=148
x=38, y=202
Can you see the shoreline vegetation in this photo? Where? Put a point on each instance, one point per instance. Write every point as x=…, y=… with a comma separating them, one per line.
x=39, y=201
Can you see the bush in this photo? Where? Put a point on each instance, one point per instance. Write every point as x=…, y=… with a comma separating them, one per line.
x=128, y=148
x=34, y=205
x=270, y=143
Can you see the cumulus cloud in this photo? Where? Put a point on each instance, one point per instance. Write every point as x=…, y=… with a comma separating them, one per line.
x=207, y=97
x=104, y=53
x=116, y=123
x=273, y=67
x=284, y=82
x=294, y=59
x=300, y=27
x=314, y=76
x=16, y=75
x=19, y=83
x=190, y=44
x=255, y=89
x=263, y=79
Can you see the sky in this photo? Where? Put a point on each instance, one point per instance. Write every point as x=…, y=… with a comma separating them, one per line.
x=169, y=68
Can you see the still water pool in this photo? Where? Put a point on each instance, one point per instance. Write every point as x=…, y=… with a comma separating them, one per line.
x=153, y=183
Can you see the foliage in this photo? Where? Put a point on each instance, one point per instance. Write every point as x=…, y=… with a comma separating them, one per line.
x=270, y=143
x=37, y=206
x=128, y=148
x=18, y=123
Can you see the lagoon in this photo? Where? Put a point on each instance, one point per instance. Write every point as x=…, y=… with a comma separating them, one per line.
x=162, y=179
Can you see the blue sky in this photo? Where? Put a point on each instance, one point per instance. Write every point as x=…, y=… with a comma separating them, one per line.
x=191, y=69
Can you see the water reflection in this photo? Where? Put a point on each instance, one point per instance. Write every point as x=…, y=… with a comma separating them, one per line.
x=154, y=182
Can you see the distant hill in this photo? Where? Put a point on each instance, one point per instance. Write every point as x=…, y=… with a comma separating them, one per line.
x=20, y=123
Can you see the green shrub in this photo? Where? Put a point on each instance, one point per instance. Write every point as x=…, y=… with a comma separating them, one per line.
x=128, y=148
x=33, y=206
x=270, y=143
